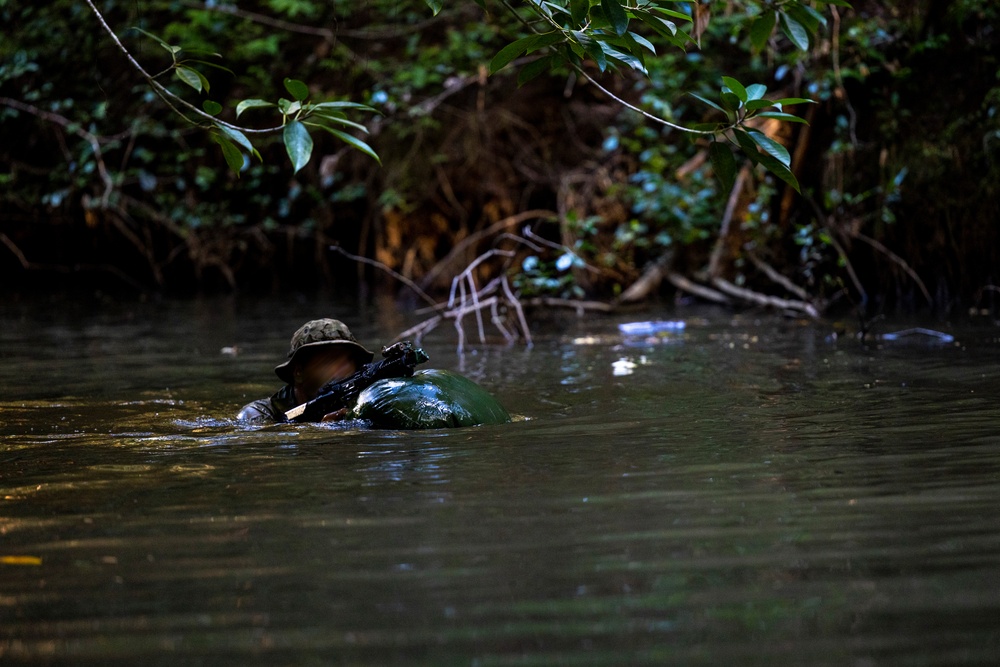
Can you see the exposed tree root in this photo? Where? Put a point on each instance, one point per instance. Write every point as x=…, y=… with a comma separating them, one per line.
x=685, y=285
x=649, y=282
x=753, y=297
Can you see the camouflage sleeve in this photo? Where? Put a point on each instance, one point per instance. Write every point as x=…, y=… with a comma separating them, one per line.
x=258, y=412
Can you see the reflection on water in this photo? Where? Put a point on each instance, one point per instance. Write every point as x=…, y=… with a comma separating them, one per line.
x=750, y=492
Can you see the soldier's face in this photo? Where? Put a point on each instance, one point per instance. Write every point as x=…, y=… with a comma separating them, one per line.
x=321, y=367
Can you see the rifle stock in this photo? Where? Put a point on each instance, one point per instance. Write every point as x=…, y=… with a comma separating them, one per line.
x=398, y=361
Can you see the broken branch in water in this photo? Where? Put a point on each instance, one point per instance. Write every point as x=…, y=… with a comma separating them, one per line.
x=466, y=298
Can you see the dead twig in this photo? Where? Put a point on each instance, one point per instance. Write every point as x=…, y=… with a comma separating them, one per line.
x=382, y=267
x=466, y=298
x=464, y=244
x=898, y=260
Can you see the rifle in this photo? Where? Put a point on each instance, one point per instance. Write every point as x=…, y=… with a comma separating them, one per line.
x=398, y=362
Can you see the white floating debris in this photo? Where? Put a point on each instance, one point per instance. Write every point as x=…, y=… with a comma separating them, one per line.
x=623, y=366
x=587, y=340
x=651, y=328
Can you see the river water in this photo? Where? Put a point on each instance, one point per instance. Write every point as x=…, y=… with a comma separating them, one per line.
x=748, y=491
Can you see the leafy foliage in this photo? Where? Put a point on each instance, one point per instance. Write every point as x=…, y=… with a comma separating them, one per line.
x=609, y=33
x=487, y=109
x=298, y=115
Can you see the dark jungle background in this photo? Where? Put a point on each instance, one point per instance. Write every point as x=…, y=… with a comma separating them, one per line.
x=103, y=186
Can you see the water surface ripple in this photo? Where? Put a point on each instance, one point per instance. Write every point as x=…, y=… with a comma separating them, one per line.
x=747, y=492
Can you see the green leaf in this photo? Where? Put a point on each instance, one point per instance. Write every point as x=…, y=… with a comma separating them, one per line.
x=340, y=120
x=522, y=46
x=782, y=116
x=639, y=40
x=736, y=87
x=240, y=138
x=174, y=50
x=252, y=104
x=200, y=52
x=298, y=144
x=211, y=107
x=234, y=158
x=779, y=170
x=616, y=16
x=578, y=10
x=761, y=30
x=771, y=147
x=192, y=77
x=810, y=19
x=663, y=27
x=747, y=145
x=756, y=91
x=354, y=142
x=675, y=14
x=795, y=31
x=708, y=102
x=297, y=89
x=288, y=107
x=772, y=164
x=592, y=48
x=723, y=163
x=754, y=105
x=341, y=105
x=730, y=101
x=435, y=5
x=614, y=55
x=208, y=64
x=793, y=100
x=533, y=69
x=508, y=53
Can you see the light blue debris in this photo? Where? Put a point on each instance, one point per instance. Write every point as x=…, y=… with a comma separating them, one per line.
x=651, y=328
x=918, y=331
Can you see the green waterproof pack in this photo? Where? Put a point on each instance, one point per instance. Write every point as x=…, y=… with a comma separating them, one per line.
x=429, y=399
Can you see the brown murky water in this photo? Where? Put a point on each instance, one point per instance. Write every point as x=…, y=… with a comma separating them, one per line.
x=743, y=492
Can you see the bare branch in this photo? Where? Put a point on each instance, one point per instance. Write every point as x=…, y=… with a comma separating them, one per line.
x=464, y=244
x=898, y=260
x=74, y=128
x=652, y=117
x=382, y=267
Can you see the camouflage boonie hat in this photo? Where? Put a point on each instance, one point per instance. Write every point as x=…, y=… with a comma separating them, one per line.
x=321, y=333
